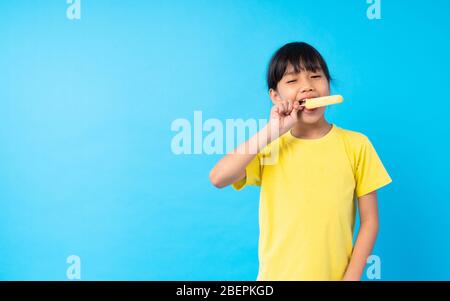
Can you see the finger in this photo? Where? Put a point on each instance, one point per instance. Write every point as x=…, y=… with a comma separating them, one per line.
x=286, y=107
x=277, y=110
x=282, y=107
x=296, y=108
x=301, y=105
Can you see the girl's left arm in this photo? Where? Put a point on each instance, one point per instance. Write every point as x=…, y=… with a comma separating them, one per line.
x=367, y=234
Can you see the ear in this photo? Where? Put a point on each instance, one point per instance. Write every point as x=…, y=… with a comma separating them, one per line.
x=274, y=96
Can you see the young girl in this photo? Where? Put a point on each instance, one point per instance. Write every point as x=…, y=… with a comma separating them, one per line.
x=309, y=192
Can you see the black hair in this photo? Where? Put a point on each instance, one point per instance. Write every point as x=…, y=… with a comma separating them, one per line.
x=301, y=56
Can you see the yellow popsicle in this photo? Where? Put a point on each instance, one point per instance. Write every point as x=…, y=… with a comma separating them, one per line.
x=312, y=103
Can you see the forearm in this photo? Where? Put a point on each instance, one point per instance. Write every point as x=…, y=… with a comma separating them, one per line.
x=365, y=241
x=231, y=167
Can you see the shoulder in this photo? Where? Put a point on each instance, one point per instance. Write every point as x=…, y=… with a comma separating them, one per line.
x=354, y=139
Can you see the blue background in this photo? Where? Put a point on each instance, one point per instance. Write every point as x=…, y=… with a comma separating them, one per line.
x=86, y=107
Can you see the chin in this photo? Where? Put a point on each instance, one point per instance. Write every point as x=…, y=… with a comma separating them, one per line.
x=311, y=119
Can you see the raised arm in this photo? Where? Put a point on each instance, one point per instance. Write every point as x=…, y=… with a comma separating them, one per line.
x=231, y=167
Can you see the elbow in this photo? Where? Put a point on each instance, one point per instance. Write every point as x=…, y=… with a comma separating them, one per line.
x=215, y=179
x=372, y=224
x=376, y=227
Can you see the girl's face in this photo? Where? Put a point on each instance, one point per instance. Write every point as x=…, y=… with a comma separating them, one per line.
x=298, y=86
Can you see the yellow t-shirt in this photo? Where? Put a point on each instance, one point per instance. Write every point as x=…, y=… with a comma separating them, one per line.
x=308, y=202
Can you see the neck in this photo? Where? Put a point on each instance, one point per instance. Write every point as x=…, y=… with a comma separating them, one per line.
x=311, y=131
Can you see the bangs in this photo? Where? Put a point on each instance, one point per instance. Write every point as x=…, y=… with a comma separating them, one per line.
x=303, y=62
x=302, y=57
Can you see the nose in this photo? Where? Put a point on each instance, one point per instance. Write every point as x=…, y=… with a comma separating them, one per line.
x=306, y=85
x=306, y=88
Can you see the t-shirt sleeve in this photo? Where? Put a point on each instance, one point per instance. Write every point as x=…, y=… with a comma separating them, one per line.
x=370, y=172
x=252, y=174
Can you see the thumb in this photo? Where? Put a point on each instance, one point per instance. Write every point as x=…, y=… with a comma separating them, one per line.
x=296, y=107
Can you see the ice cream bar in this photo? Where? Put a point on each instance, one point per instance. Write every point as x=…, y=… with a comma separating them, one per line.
x=312, y=103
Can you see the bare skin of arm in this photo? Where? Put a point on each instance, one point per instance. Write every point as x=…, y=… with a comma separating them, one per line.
x=231, y=167
x=367, y=234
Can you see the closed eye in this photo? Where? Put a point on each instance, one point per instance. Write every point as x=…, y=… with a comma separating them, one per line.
x=316, y=76
x=292, y=81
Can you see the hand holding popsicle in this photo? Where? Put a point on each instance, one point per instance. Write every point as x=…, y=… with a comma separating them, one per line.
x=284, y=115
